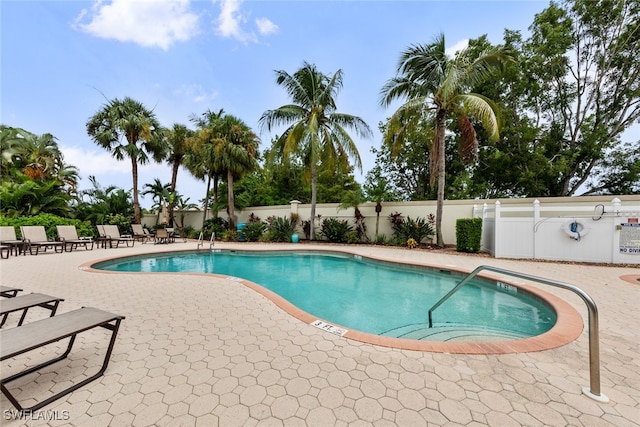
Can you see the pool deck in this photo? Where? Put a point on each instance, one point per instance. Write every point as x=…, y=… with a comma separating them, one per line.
x=203, y=350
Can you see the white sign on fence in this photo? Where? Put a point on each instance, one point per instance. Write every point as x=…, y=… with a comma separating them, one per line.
x=630, y=238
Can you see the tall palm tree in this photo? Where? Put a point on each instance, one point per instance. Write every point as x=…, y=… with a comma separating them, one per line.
x=201, y=159
x=236, y=150
x=177, y=147
x=437, y=86
x=126, y=128
x=315, y=129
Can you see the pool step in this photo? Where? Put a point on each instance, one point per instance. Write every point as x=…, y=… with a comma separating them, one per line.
x=452, y=332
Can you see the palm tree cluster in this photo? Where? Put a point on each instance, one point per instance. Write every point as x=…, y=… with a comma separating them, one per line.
x=314, y=134
x=33, y=173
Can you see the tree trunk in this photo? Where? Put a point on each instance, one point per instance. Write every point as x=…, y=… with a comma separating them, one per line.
x=314, y=179
x=215, y=195
x=174, y=180
x=440, y=129
x=136, y=202
x=230, y=204
x=206, y=201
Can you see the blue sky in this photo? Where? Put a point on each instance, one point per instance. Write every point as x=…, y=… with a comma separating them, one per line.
x=62, y=60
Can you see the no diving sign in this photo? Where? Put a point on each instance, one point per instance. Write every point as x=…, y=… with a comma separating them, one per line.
x=630, y=238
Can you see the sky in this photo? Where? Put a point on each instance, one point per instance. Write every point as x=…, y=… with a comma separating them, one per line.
x=62, y=61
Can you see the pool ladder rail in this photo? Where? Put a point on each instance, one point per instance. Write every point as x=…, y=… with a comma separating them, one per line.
x=594, y=341
x=211, y=240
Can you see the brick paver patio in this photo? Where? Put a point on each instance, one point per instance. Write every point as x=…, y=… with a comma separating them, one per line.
x=198, y=350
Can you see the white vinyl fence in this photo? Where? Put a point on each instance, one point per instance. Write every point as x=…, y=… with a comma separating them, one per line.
x=601, y=233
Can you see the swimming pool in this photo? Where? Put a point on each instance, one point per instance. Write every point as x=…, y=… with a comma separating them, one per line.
x=380, y=298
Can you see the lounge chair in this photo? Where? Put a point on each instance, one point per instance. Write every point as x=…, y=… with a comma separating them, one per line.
x=162, y=236
x=8, y=238
x=140, y=233
x=32, y=336
x=9, y=291
x=68, y=235
x=25, y=302
x=112, y=234
x=35, y=237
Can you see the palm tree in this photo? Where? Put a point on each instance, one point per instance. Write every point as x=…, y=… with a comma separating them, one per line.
x=201, y=159
x=315, y=129
x=126, y=128
x=236, y=150
x=159, y=193
x=435, y=86
x=176, y=140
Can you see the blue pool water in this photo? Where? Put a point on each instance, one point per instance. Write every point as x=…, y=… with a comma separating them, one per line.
x=365, y=295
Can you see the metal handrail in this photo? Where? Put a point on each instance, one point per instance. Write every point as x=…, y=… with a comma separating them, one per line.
x=594, y=345
x=211, y=240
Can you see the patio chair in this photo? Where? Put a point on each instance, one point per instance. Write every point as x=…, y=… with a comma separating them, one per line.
x=112, y=234
x=34, y=335
x=8, y=238
x=35, y=237
x=162, y=236
x=24, y=303
x=9, y=291
x=68, y=235
x=140, y=233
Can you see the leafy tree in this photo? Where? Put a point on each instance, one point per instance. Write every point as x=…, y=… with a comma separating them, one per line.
x=34, y=177
x=98, y=205
x=316, y=129
x=583, y=72
x=435, y=87
x=126, y=128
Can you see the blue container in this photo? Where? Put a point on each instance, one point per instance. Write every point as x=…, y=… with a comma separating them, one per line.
x=241, y=226
x=294, y=238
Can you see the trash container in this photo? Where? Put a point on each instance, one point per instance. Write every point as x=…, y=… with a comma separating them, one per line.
x=241, y=226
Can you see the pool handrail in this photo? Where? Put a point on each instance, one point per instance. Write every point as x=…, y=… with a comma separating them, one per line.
x=594, y=344
x=211, y=241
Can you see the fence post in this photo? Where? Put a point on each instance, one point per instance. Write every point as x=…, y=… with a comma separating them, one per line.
x=497, y=232
x=536, y=219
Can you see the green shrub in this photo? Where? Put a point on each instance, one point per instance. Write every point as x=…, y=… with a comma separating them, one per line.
x=407, y=228
x=214, y=225
x=381, y=239
x=468, y=234
x=230, y=236
x=254, y=230
x=336, y=231
x=280, y=229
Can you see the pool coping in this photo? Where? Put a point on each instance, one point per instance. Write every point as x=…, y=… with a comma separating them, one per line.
x=568, y=327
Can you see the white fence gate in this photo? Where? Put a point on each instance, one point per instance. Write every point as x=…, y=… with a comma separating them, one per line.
x=602, y=233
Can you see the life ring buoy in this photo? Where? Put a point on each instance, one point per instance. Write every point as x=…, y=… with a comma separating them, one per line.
x=575, y=229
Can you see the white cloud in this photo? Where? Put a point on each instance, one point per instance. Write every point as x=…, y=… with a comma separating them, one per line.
x=266, y=27
x=94, y=162
x=231, y=21
x=460, y=45
x=149, y=23
x=195, y=93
